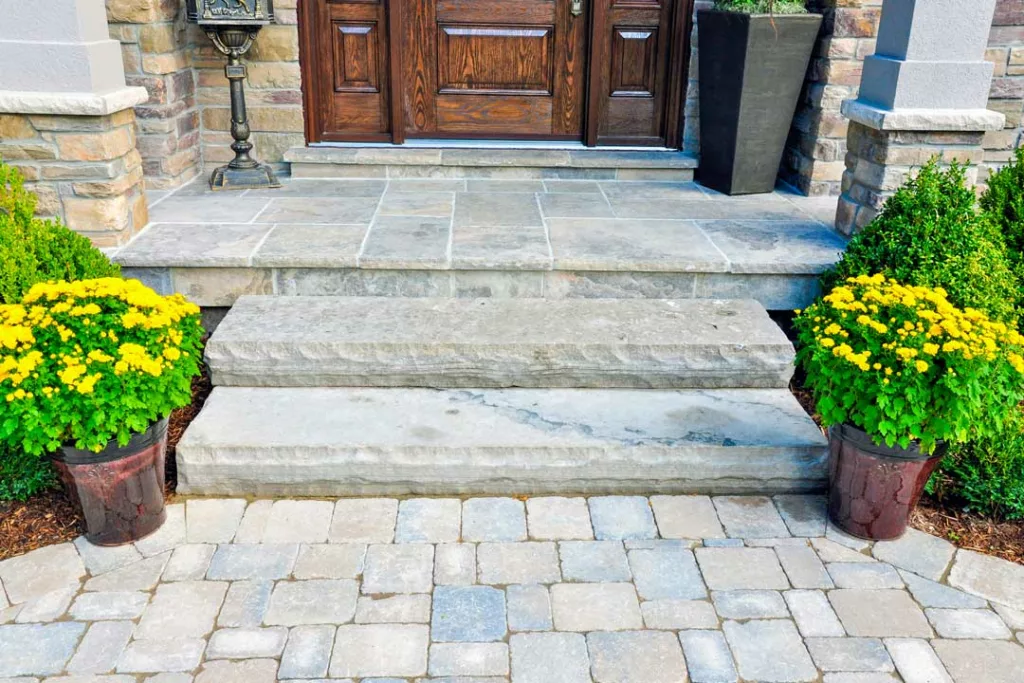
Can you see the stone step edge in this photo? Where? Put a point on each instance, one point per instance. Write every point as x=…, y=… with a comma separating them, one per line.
x=492, y=157
x=245, y=442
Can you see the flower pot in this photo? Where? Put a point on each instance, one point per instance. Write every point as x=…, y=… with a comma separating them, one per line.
x=120, y=489
x=873, y=489
x=752, y=69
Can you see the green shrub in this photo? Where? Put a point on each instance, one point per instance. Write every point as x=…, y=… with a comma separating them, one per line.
x=931, y=234
x=986, y=475
x=1004, y=202
x=34, y=250
x=762, y=6
x=23, y=475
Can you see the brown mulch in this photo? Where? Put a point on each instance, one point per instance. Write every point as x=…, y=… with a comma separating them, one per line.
x=52, y=517
x=971, y=531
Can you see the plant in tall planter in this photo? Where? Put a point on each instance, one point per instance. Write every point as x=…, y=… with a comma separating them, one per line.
x=89, y=372
x=898, y=373
x=753, y=58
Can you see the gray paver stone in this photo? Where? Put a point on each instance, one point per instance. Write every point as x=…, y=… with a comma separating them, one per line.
x=244, y=562
x=859, y=677
x=879, y=613
x=397, y=609
x=803, y=567
x=429, y=520
x=364, y=520
x=916, y=661
x=47, y=607
x=101, y=559
x=673, y=615
x=934, y=594
x=317, y=601
x=403, y=568
x=834, y=533
x=616, y=518
x=40, y=572
x=254, y=522
x=723, y=543
x=813, y=614
x=108, y=606
x=182, y=610
x=361, y=651
x=636, y=657
x=708, y=657
x=152, y=656
x=750, y=517
x=990, y=577
x=189, y=562
x=549, y=658
x=595, y=607
x=830, y=551
x=39, y=649
x=1013, y=618
x=558, y=519
x=168, y=536
x=139, y=576
x=454, y=564
x=101, y=647
x=468, y=659
x=594, y=561
x=918, y=552
x=741, y=568
x=747, y=604
x=298, y=521
x=529, y=608
x=861, y=575
x=517, y=563
x=308, y=652
x=246, y=671
x=805, y=516
x=850, y=654
x=493, y=519
x=468, y=614
x=686, y=517
x=213, y=520
x=247, y=643
x=769, y=651
x=169, y=678
x=666, y=573
x=335, y=561
x=245, y=604
x=967, y=623
x=991, y=661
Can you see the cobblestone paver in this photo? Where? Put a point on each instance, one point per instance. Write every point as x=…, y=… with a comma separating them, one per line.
x=500, y=590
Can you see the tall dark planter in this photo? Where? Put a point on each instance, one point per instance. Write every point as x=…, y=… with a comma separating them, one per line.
x=121, y=488
x=752, y=69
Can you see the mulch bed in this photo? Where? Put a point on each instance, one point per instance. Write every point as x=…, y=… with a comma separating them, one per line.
x=971, y=531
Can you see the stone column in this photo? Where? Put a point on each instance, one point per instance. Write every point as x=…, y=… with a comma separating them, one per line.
x=922, y=94
x=66, y=118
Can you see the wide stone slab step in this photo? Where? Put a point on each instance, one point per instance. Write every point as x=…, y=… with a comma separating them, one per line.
x=455, y=343
x=359, y=441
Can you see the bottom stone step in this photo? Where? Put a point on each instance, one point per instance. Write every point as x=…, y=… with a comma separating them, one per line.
x=338, y=441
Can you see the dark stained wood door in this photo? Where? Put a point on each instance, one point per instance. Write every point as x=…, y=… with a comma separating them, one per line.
x=493, y=68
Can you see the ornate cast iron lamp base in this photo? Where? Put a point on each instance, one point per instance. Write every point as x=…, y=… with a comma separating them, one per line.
x=243, y=172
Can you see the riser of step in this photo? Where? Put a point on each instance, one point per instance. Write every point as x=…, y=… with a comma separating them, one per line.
x=471, y=343
x=334, y=170
x=332, y=442
x=221, y=286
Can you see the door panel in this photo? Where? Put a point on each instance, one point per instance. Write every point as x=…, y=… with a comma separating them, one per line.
x=493, y=68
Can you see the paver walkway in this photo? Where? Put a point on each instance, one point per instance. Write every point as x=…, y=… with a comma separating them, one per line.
x=548, y=590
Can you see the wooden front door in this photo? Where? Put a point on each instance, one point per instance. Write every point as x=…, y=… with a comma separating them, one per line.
x=605, y=72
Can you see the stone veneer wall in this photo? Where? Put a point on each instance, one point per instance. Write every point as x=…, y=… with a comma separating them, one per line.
x=1006, y=51
x=85, y=170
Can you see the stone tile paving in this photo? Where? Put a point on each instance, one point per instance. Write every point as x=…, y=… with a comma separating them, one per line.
x=611, y=589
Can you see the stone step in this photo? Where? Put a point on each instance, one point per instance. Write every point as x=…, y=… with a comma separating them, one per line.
x=359, y=441
x=498, y=161
x=450, y=343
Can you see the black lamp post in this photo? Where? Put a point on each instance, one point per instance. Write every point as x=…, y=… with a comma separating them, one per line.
x=232, y=25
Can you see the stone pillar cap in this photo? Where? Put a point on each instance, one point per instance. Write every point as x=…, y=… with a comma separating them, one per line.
x=954, y=120
x=70, y=103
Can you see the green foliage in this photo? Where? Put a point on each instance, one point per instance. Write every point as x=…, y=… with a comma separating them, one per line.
x=22, y=475
x=33, y=250
x=762, y=6
x=930, y=233
x=986, y=474
x=1004, y=203
x=905, y=365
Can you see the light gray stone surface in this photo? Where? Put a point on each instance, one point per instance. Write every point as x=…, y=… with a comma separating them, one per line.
x=750, y=517
x=666, y=573
x=258, y=562
x=769, y=651
x=47, y=607
x=967, y=623
x=139, y=576
x=153, y=656
x=308, y=652
x=109, y=606
x=335, y=561
x=317, y=601
x=213, y=521
x=37, y=648
x=990, y=577
x=879, y=613
x=741, y=568
x=804, y=515
x=863, y=575
x=327, y=341
x=493, y=519
x=803, y=568
x=934, y=594
x=618, y=518
x=363, y=651
x=678, y=614
x=101, y=647
x=429, y=520
x=298, y=521
x=529, y=608
x=595, y=607
x=254, y=522
x=917, y=552
x=916, y=661
x=245, y=604
x=368, y=520
x=686, y=517
x=555, y=518
x=182, y=610
x=814, y=617
x=247, y=643
x=593, y=561
x=512, y=563
x=40, y=572
x=636, y=657
x=397, y=609
x=749, y=604
x=101, y=559
x=850, y=654
x=549, y=658
x=319, y=441
x=454, y=564
x=991, y=661
x=403, y=568
x=469, y=659
x=189, y=562
x=708, y=657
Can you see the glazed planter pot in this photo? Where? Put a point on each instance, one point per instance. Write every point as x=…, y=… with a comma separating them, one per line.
x=121, y=488
x=873, y=489
x=752, y=70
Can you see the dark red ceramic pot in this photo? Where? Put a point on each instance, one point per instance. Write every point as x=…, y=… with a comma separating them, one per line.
x=121, y=488
x=873, y=489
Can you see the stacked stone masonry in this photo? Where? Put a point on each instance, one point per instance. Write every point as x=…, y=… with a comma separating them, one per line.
x=1006, y=51
x=86, y=171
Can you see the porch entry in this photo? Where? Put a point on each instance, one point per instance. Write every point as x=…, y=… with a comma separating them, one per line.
x=602, y=72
